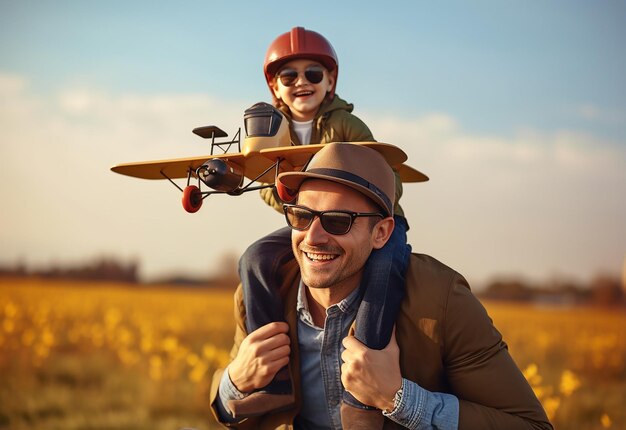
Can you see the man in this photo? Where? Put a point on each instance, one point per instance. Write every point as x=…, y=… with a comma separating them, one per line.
x=445, y=367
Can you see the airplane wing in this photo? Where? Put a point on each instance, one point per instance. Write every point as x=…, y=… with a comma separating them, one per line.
x=409, y=174
x=258, y=165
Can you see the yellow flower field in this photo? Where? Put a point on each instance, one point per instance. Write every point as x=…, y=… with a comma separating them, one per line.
x=104, y=356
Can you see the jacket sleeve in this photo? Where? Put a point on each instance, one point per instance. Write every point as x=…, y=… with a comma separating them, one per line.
x=240, y=335
x=346, y=128
x=492, y=392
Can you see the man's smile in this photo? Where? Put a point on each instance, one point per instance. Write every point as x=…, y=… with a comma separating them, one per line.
x=320, y=257
x=320, y=254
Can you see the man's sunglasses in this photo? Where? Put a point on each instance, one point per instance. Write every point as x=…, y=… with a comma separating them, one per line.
x=313, y=74
x=334, y=222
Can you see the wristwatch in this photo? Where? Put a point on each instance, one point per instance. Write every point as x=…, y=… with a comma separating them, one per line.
x=396, y=400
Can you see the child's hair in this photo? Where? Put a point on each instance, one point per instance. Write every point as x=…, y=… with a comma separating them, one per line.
x=295, y=44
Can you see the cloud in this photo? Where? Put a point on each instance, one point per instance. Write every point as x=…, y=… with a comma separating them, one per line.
x=440, y=135
x=11, y=84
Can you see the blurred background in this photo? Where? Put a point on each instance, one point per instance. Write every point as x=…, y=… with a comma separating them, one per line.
x=516, y=111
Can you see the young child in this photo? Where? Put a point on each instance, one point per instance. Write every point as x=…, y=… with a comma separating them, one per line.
x=301, y=70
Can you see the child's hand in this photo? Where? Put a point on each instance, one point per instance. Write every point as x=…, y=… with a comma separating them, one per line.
x=261, y=355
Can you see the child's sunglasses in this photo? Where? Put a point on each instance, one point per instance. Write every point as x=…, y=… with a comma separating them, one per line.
x=334, y=222
x=313, y=74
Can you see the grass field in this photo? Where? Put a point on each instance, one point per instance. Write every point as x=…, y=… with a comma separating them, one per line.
x=101, y=356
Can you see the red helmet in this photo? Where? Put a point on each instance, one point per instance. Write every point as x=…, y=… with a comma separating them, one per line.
x=299, y=43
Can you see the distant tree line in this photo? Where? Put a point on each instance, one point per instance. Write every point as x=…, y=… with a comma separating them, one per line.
x=603, y=290
x=101, y=269
x=114, y=270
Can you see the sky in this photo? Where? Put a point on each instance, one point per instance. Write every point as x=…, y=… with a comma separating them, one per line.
x=516, y=110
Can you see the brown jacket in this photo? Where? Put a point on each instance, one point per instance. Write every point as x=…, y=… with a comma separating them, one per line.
x=447, y=344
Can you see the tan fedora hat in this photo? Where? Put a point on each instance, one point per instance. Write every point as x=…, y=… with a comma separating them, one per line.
x=359, y=167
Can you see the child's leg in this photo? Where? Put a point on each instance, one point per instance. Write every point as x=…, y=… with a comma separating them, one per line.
x=259, y=275
x=258, y=271
x=383, y=284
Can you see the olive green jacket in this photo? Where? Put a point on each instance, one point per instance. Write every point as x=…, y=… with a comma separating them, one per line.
x=447, y=344
x=334, y=122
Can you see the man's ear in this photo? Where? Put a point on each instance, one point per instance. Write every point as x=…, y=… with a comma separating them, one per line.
x=382, y=232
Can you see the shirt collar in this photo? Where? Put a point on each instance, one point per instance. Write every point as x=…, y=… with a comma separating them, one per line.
x=347, y=305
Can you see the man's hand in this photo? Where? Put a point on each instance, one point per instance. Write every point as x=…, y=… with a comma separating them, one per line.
x=261, y=355
x=371, y=376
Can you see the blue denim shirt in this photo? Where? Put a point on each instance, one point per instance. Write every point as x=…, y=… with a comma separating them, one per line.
x=320, y=358
x=320, y=361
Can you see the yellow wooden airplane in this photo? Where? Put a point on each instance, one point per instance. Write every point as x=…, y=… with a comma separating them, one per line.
x=267, y=151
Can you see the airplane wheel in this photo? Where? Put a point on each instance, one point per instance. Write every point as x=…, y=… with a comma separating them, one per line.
x=285, y=194
x=192, y=198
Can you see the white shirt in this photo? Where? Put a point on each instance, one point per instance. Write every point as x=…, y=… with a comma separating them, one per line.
x=303, y=130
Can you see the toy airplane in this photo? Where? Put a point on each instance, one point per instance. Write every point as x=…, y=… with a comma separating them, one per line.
x=267, y=151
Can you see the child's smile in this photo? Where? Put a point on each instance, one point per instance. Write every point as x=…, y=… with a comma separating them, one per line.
x=303, y=93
